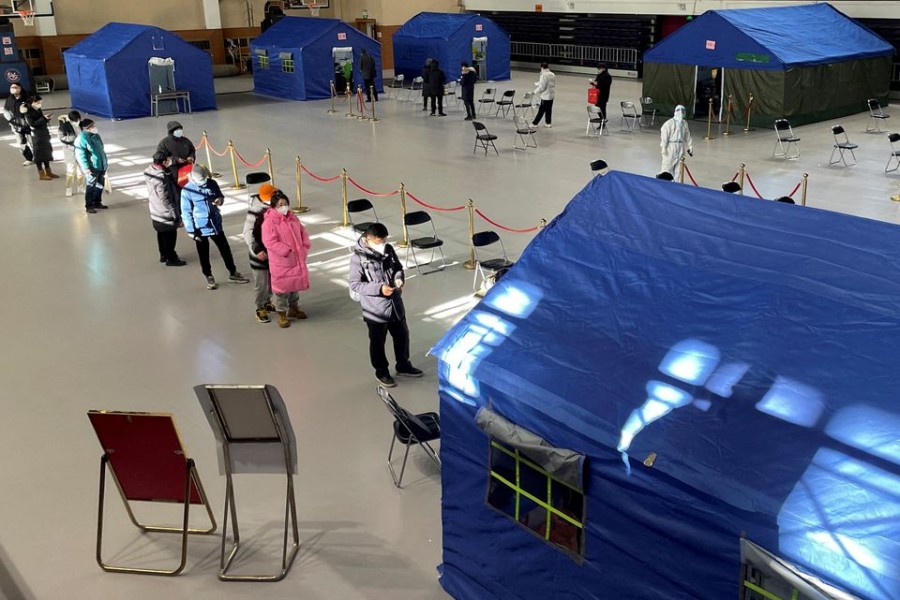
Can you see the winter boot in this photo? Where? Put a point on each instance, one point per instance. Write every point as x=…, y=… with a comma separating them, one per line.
x=283, y=320
x=294, y=312
x=42, y=175
x=50, y=173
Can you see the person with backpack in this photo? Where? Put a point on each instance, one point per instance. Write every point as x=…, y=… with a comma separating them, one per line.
x=376, y=280
x=67, y=135
x=259, y=258
x=287, y=245
x=165, y=209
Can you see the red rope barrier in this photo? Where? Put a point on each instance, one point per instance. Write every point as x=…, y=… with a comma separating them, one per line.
x=252, y=166
x=408, y=195
x=794, y=191
x=317, y=178
x=735, y=176
x=691, y=177
x=755, y=191
x=201, y=144
x=498, y=225
x=370, y=192
x=216, y=152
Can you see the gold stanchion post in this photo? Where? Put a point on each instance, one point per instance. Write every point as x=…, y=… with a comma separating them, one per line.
x=742, y=173
x=209, y=166
x=681, y=170
x=542, y=224
x=237, y=182
x=372, y=96
x=896, y=198
x=270, y=169
x=299, y=209
x=749, y=110
x=470, y=263
x=709, y=118
x=333, y=95
x=728, y=115
x=346, y=221
x=349, y=103
x=404, y=243
x=803, y=189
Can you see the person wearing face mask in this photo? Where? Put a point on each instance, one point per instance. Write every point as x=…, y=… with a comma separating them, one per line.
x=200, y=202
x=180, y=148
x=376, y=277
x=39, y=138
x=165, y=209
x=545, y=90
x=674, y=140
x=93, y=162
x=467, y=90
x=17, y=120
x=68, y=133
x=603, y=83
x=287, y=245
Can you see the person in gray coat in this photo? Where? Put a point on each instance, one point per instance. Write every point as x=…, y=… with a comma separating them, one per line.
x=165, y=208
x=376, y=276
x=367, y=68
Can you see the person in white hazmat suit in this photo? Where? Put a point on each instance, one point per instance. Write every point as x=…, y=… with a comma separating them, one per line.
x=674, y=140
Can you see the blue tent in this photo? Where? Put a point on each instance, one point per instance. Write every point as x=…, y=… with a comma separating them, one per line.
x=695, y=366
x=447, y=38
x=108, y=73
x=807, y=63
x=293, y=58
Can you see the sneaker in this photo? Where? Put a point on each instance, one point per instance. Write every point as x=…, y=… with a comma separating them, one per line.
x=211, y=283
x=90, y=210
x=69, y=192
x=283, y=320
x=269, y=307
x=175, y=262
x=386, y=380
x=409, y=371
x=27, y=163
x=442, y=115
x=236, y=277
x=262, y=315
x=101, y=206
x=469, y=119
x=548, y=125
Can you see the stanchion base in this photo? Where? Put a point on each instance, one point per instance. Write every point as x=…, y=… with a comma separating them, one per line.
x=470, y=265
x=299, y=210
x=350, y=115
x=746, y=129
x=331, y=112
x=362, y=117
x=402, y=244
x=373, y=119
x=239, y=186
x=896, y=198
x=726, y=133
x=709, y=137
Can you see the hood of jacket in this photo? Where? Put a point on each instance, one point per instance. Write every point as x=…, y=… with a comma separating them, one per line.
x=363, y=249
x=257, y=205
x=172, y=126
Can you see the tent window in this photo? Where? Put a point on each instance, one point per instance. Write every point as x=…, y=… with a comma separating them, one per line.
x=537, y=501
x=262, y=60
x=287, y=65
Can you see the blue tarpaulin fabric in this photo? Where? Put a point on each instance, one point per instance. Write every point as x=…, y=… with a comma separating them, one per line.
x=447, y=38
x=743, y=349
x=108, y=73
x=309, y=42
x=769, y=38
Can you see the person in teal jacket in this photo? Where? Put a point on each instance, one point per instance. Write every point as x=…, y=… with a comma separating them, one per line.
x=92, y=159
x=201, y=198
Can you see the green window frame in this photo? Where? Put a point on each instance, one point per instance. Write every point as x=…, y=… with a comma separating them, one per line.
x=262, y=59
x=287, y=65
x=540, y=503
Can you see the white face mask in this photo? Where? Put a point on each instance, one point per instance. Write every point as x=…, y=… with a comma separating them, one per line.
x=201, y=182
x=92, y=130
x=178, y=133
x=379, y=248
x=283, y=210
x=37, y=105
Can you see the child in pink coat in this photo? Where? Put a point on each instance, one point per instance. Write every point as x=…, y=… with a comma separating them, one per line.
x=287, y=245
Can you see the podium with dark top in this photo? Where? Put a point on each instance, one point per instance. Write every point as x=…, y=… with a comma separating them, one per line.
x=144, y=454
x=181, y=98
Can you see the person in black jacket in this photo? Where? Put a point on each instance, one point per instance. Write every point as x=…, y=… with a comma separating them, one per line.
x=39, y=137
x=467, y=87
x=180, y=148
x=435, y=86
x=426, y=70
x=603, y=82
x=367, y=68
x=17, y=120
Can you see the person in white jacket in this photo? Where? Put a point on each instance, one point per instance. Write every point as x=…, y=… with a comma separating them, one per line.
x=546, y=91
x=674, y=139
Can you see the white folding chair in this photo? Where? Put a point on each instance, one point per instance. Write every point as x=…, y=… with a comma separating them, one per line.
x=785, y=140
x=894, y=141
x=524, y=131
x=396, y=84
x=526, y=106
x=486, y=102
x=631, y=118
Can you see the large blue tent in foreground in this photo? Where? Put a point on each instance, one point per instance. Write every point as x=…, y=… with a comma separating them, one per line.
x=108, y=72
x=666, y=375
x=449, y=39
x=293, y=59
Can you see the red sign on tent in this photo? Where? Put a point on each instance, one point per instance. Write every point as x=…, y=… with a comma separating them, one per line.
x=342, y=36
x=479, y=27
x=710, y=44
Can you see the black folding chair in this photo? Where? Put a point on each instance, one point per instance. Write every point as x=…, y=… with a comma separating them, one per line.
x=596, y=121
x=876, y=116
x=360, y=206
x=842, y=145
x=483, y=137
x=893, y=140
x=495, y=262
x=784, y=139
x=487, y=99
x=506, y=102
x=410, y=430
x=420, y=218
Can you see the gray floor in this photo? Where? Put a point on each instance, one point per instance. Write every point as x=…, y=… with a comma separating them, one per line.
x=91, y=320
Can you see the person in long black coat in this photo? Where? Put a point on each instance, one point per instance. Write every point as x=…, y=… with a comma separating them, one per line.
x=179, y=147
x=16, y=120
x=467, y=89
x=41, y=145
x=603, y=83
x=435, y=86
x=426, y=71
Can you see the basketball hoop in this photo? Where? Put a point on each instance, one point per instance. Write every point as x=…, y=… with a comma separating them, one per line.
x=27, y=17
x=313, y=7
